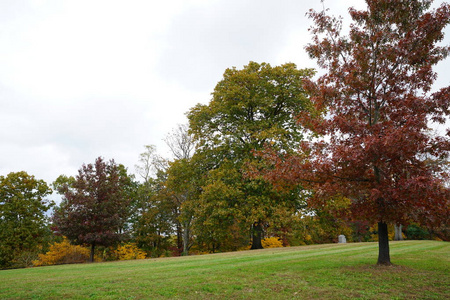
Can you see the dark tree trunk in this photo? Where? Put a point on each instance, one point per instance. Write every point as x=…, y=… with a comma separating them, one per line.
x=91, y=259
x=383, y=245
x=179, y=237
x=257, y=232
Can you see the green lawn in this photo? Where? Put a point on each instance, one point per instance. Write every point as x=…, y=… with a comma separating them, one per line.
x=335, y=271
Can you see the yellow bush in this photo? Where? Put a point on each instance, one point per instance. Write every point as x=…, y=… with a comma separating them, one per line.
x=63, y=253
x=129, y=251
x=244, y=248
x=272, y=242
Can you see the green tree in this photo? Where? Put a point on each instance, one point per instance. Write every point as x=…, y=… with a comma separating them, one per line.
x=182, y=190
x=181, y=186
x=219, y=223
x=251, y=108
x=23, y=224
x=95, y=208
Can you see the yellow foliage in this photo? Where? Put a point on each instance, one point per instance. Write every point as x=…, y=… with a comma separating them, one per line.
x=271, y=242
x=63, y=253
x=244, y=248
x=391, y=233
x=129, y=251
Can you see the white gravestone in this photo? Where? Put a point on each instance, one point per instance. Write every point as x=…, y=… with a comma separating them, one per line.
x=342, y=239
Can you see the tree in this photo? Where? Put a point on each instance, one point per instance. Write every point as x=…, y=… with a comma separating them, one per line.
x=181, y=185
x=153, y=223
x=377, y=105
x=23, y=205
x=151, y=218
x=181, y=142
x=219, y=223
x=150, y=163
x=182, y=190
x=250, y=108
x=94, y=209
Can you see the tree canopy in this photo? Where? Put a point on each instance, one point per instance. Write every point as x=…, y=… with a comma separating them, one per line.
x=250, y=108
x=377, y=107
x=23, y=205
x=95, y=208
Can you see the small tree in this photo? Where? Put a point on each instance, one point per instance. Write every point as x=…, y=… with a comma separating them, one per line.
x=94, y=210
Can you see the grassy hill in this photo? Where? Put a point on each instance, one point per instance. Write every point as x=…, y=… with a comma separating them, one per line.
x=334, y=271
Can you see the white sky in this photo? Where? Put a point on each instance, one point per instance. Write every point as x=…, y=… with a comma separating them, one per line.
x=81, y=79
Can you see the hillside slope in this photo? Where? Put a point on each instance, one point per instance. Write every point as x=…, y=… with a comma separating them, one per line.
x=320, y=271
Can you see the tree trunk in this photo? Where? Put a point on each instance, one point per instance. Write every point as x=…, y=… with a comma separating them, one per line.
x=91, y=259
x=383, y=245
x=186, y=234
x=257, y=231
x=179, y=236
x=398, y=232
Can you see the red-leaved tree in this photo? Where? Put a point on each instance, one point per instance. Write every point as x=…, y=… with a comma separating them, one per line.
x=95, y=205
x=376, y=110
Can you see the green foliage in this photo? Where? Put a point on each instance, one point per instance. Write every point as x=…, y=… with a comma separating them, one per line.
x=250, y=109
x=23, y=205
x=415, y=232
x=154, y=225
x=218, y=223
x=63, y=183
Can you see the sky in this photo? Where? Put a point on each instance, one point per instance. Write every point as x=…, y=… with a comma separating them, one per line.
x=82, y=79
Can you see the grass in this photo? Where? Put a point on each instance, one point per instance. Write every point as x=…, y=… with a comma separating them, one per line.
x=335, y=271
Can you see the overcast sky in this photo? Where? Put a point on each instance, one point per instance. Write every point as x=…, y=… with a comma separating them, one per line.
x=81, y=79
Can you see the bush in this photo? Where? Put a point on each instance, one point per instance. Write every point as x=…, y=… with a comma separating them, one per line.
x=63, y=253
x=129, y=251
x=272, y=242
x=25, y=259
x=415, y=232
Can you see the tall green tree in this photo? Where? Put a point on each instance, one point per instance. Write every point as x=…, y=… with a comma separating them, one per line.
x=251, y=108
x=95, y=208
x=23, y=223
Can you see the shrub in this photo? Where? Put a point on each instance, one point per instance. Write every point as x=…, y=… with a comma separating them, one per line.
x=63, y=253
x=129, y=251
x=25, y=259
x=415, y=232
x=272, y=242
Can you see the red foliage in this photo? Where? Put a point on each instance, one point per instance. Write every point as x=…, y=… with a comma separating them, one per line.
x=95, y=208
x=376, y=106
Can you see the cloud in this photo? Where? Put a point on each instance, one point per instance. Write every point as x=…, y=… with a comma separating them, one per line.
x=205, y=40
x=88, y=78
